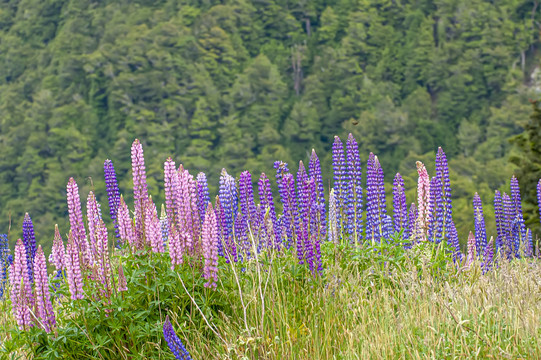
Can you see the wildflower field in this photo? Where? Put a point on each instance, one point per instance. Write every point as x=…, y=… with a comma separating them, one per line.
x=304, y=272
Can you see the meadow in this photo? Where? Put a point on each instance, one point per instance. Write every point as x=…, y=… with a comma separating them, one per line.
x=281, y=269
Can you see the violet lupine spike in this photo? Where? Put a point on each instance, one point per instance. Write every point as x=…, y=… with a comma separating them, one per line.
x=314, y=170
x=435, y=211
x=44, y=306
x=508, y=217
x=488, y=256
x=311, y=225
x=175, y=247
x=372, y=207
x=5, y=262
x=22, y=299
x=500, y=224
x=471, y=249
x=223, y=243
x=210, y=248
x=73, y=269
x=442, y=172
x=267, y=202
x=304, y=246
x=453, y=242
x=229, y=201
x=153, y=231
x=333, y=219
x=203, y=197
x=58, y=251
x=175, y=344
x=290, y=209
x=125, y=224
x=246, y=197
x=113, y=193
x=515, y=196
x=164, y=226
x=480, y=229
x=339, y=180
x=423, y=199
x=302, y=206
x=77, y=226
x=171, y=185
x=412, y=220
x=140, y=190
x=400, y=208
x=29, y=240
x=122, y=282
x=355, y=190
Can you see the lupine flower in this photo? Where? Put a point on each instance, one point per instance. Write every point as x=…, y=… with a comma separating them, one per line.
x=210, y=248
x=102, y=256
x=333, y=218
x=5, y=263
x=480, y=230
x=58, y=251
x=113, y=193
x=229, y=201
x=93, y=215
x=175, y=247
x=22, y=299
x=375, y=200
x=301, y=179
x=290, y=210
x=173, y=341
x=223, y=243
x=500, y=223
x=73, y=269
x=77, y=226
x=400, y=208
x=44, y=306
x=314, y=170
x=125, y=224
x=140, y=190
x=509, y=217
x=171, y=185
x=153, y=232
x=435, y=211
x=339, y=180
x=471, y=249
x=529, y=243
x=354, y=190
x=452, y=239
x=267, y=202
x=442, y=172
x=517, y=209
x=423, y=199
x=488, y=255
x=412, y=220
x=164, y=226
x=241, y=244
x=189, y=220
x=246, y=196
x=539, y=197
x=203, y=197
x=29, y=240
x=122, y=283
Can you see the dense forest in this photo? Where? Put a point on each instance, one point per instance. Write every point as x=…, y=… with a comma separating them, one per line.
x=242, y=83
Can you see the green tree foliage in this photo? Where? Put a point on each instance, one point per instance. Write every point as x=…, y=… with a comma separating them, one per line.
x=241, y=83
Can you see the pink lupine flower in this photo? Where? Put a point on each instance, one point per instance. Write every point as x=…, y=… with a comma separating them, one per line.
x=140, y=191
x=22, y=299
x=102, y=255
x=125, y=224
x=153, y=232
x=58, y=251
x=186, y=203
x=210, y=247
x=44, y=306
x=93, y=214
x=122, y=283
x=175, y=247
x=76, y=219
x=73, y=269
x=170, y=177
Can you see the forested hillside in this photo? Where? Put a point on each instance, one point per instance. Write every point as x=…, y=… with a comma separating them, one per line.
x=242, y=83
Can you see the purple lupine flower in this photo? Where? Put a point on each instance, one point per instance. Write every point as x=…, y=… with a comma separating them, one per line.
x=409, y=233
x=442, y=172
x=210, y=248
x=77, y=226
x=175, y=247
x=290, y=210
x=304, y=246
x=164, y=226
x=302, y=207
x=267, y=202
x=515, y=196
x=246, y=197
x=471, y=249
x=223, y=243
x=22, y=299
x=339, y=180
x=400, y=208
x=122, y=282
x=153, y=232
x=173, y=341
x=187, y=209
x=508, y=217
x=314, y=170
x=171, y=185
x=480, y=230
x=355, y=191
x=113, y=193
x=229, y=201
x=500, y=224
x=73, y=269
x=29, y=240
x=140, y=190
x=5, y=263
x=375, y=200
x=58, y=252
x=203, y=197
x=452, y=240
x=488, y=256
x=44, y=307
x=333, y=218
x=125, y=224
x=387, y=228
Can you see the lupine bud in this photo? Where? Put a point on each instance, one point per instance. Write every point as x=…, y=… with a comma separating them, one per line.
x=140, y=191
x=210, y=248
x=22, y=299
x=113, y=193
x=44, y=306
x=29, y=240
x=173, y=341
